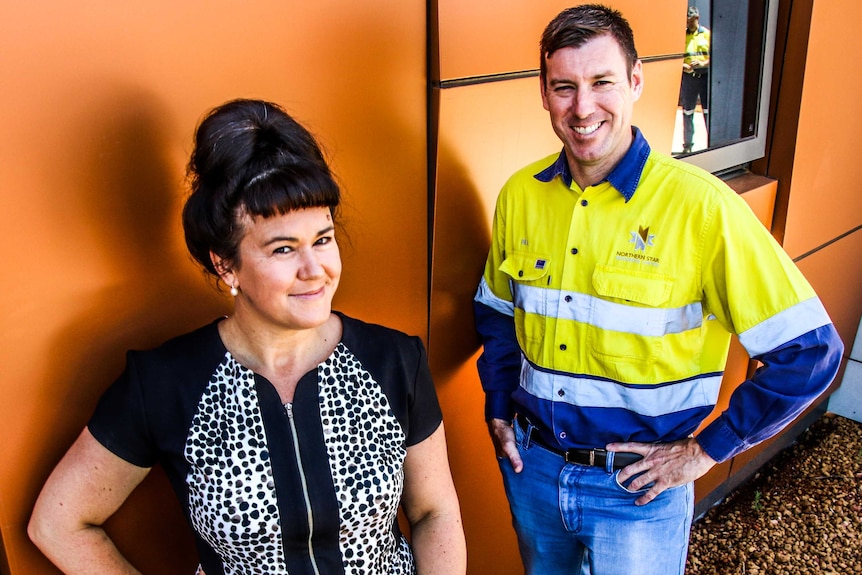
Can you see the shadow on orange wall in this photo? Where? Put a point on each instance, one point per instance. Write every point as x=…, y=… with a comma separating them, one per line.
x=462, y=236
x=122, y=189
x=368, y=89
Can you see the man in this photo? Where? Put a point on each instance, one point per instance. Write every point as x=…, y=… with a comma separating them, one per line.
x=615, y=277
x=695, y=76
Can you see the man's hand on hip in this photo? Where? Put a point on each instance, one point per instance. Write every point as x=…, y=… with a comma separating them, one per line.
x=665, y=465
x=503, y=436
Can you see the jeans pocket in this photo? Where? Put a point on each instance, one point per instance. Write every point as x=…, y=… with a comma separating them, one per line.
x=625, y=486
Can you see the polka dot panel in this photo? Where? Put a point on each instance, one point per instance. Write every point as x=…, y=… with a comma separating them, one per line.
x=366, y=447
x=232, y=500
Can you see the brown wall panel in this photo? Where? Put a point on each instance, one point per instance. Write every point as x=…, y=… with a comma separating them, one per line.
x=825, y=199
x=836, y=276
x=712, y=481
x=97, y=127
x=478, y=38
x=735, y=372
x=491, y=543
x=759, y=193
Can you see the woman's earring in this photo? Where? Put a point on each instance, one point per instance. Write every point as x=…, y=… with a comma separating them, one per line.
x=234, y=291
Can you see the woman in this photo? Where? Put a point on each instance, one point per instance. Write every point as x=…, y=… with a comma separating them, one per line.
x=291, y=433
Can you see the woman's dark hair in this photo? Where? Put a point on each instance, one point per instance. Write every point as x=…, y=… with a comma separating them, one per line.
x=573, y=27
x=250, y=158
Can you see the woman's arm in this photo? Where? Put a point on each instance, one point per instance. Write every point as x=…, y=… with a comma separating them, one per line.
x=431, y=506
x=84, y=490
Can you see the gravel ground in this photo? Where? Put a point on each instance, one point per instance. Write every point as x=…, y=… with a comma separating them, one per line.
x=800, y=514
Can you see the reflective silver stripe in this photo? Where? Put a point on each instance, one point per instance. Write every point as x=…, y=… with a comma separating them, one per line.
x=288, y=408
x=785, y=326
x=647, y=400
x=603, y=314
x=485, y=296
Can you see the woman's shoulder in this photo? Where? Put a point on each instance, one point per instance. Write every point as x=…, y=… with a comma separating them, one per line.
x=194, y=347
x=359, y=335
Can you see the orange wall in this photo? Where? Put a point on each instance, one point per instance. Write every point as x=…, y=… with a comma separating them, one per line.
x=478, y=38
x=815, y=156
x=826, y=182
x=98, y=112
x=827, y=176
x=99, y=103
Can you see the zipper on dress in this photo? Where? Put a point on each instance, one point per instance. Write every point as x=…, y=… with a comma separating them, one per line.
x=288, y=409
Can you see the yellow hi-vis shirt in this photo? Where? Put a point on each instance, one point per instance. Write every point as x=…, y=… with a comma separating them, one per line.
x=697, y=46
x=623, y=300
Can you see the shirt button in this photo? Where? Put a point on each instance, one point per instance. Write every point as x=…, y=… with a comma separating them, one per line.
x=521, y=274
x=561, y=393
x=563, y=346
x=574, y=251
x=568, y=298
x=584, y=203
x=562, y=435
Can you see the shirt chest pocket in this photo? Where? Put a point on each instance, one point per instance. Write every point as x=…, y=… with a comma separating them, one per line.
x=526, y=267
x=628, y=317
x=641, y=288
x=529, y=277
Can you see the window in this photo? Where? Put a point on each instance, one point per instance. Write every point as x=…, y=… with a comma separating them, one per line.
x=742, y=44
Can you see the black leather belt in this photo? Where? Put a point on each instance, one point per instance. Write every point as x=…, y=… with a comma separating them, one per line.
x=591, y=457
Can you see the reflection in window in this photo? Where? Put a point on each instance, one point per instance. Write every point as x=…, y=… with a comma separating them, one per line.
x=694, y=87
x=740, y=40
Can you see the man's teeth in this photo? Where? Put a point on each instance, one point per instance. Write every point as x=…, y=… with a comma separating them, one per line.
x=586, y=130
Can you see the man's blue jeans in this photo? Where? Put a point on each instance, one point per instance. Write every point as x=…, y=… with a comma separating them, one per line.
x=561, y=510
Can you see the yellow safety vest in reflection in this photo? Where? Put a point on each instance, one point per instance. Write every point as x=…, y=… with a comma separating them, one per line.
x=697, y=46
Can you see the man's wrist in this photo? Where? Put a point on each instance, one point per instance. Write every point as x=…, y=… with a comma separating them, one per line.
x=498, y=405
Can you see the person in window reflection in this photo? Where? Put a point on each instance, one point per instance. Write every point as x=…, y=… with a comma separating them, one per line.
x=292, y=434
x=695, y=77
x=615, y=278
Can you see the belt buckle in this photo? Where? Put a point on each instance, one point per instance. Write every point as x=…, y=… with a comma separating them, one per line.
x=593, y=455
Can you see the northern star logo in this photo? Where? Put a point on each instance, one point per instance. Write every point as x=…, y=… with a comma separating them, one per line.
x=642, y=238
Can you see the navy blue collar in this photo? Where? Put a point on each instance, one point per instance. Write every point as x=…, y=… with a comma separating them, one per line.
x=625, y=175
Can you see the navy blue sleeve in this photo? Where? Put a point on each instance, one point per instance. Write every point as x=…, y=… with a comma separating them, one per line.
x=793, y=375
x=500, y=363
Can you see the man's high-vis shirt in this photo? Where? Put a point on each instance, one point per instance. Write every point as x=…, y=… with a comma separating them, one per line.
x=606, y=313
x=697, y=46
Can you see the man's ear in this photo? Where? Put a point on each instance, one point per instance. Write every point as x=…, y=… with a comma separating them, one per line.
x=637, y=80
x=543, y=93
